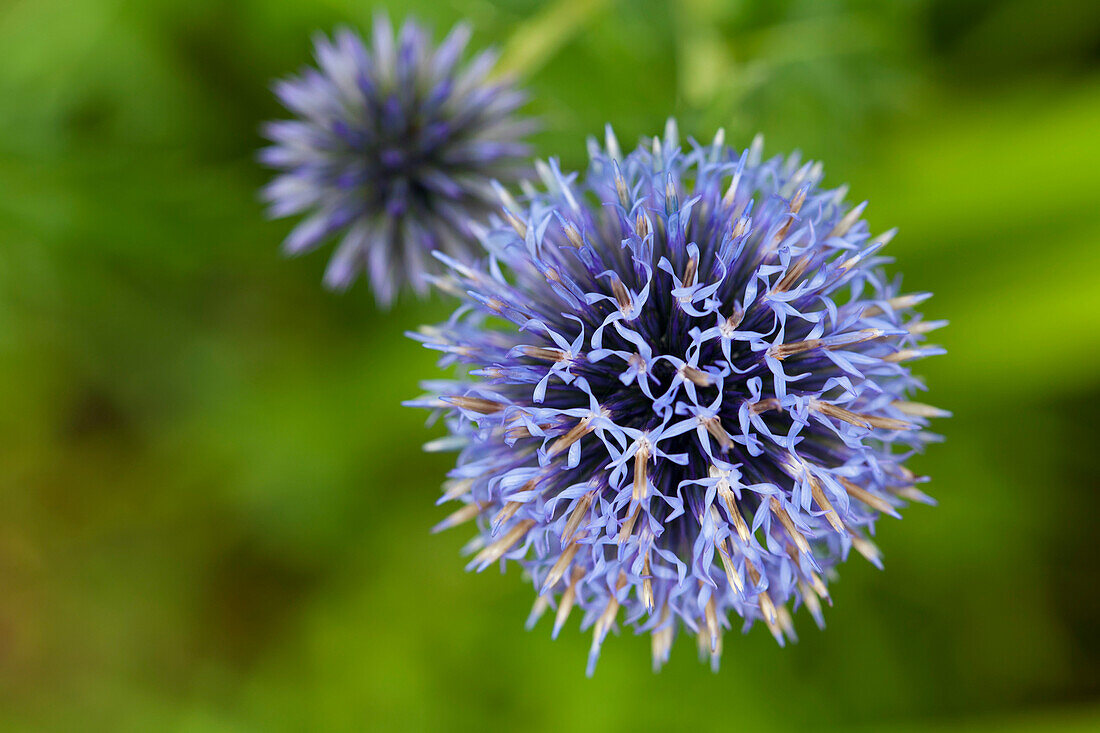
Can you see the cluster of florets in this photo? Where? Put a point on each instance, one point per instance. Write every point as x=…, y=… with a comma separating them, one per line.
x=683, y=391
x=393, y=149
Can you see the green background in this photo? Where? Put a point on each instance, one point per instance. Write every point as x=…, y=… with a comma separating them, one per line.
x=215, y=513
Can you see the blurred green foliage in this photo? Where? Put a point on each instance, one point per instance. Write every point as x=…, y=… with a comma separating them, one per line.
x=215, y=510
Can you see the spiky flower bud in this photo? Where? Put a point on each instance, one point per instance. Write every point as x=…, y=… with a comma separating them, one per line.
x=684, y=391
x=393, y=149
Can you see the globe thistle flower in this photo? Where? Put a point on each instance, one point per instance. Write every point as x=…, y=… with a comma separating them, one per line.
x=684, y=394
x=392, y=150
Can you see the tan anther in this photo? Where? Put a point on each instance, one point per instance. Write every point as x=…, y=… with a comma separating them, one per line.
x=647, y=583
x=474, y=404
x=847, y=221
x=788, y=524
x=572, y=234
x=507, y=512
x=690, y=271
x=903, y=355
x=517, y=223
x=715, y=428
x=725, y=491
x=578, y=431
x=794, y=272
x=764, y=405
x=866, y=548
x=465, y=514
x=861, y=494
x=641, y=472
x=696, y=376
x=628, y=526
x=822, y=501
x=622, y=297
x=560, y=565
x=568, y=598
x=541, y=352
x=497, y=549
x=574, y=521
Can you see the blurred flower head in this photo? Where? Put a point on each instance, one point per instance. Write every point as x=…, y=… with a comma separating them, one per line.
x=392, y=150
x=683, y=394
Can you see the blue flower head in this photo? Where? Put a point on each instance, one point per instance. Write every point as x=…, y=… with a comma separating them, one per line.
x=392, y=151
x=683, y=393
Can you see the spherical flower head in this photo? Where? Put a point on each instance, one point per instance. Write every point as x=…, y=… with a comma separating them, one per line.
x=684, y=392
x=392, y=150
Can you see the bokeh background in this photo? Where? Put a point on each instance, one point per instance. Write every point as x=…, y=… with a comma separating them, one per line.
x=215, y=512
